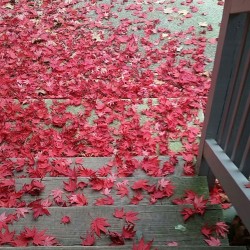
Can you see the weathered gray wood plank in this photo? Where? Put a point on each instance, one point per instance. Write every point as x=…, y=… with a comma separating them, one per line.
x=93, y=163
x=181, y=184
x=126, y=247
x=155, y=222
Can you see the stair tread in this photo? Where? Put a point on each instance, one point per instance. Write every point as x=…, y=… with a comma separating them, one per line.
x=93, y=163
x=158, y=247
x=161, y=228
x=198, y=184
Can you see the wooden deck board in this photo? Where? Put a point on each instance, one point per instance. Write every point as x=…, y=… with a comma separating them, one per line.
x=181, y=184
x=126, y=248
x=93, y=163
x=156, y=222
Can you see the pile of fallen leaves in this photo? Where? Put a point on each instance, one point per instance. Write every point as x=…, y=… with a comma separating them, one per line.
x=79, y=82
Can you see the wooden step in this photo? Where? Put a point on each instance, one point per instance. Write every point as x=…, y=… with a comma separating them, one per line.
x=126, y=248
x=197, y=184
x=154, y=222
x=62, y=166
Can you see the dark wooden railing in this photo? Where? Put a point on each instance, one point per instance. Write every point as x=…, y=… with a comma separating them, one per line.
x=225, y=144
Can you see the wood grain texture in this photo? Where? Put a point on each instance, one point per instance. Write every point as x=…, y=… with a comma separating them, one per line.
x=93, y=163
x=127, y=248
x=155, y=222
x=197, y=184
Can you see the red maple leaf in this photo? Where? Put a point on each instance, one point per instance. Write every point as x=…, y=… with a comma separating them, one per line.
x=85, y=172
x=22, y=211
x=38, y=238
x=99, y=225
x=213, y=241
x=140, y=184
x=89, y=240
x=187, y=213
x=199, y=205
x=122, y=190
x=136, y=199
x=65, y=220
x=96, y=183
x=78, y=200
x=142, y=245
x=7, y=237
x=116, y=238
x=38, y=209
x=70, y=186
x=104, y=171
x=3, y=220
x=119, y=213
x=104, y=201
x=206, y=231
x=34, y=188
x=57, y=195
x=131, y=217
x=128, y=231
x=221, y=228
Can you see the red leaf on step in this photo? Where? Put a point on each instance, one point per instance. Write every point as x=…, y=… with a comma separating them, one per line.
x=57, y=195
x=128, y=231
x=104, y=171
x=131, y=217
x=140, y=184
x=89, y=240
x=70, y=186
x=104, y=201
x=38, y=238
x=34, y=188
x=122, y=189
x=65, y=220
x=206, y=231
x=78, y=200
x=199, y=204
x=3, y=220
x=142, y=245
x=119, y=213
x=7, y=237
x=99, y=225
x=21, y=212
x=221, y=228
x=116, y=238
x=187, y=213
x=136, y=199
x=85, y=172
x=96, y=183
x=213, y=242
x=38, y=209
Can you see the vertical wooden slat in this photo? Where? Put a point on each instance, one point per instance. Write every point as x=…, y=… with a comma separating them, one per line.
x=236, y=83
x=242, y=135
x=244, y=164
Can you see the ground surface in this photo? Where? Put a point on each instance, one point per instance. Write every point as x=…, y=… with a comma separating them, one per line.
x=124, y=80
